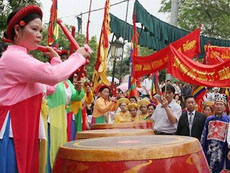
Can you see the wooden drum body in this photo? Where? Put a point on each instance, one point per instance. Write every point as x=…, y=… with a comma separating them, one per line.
x=132, y=125
x=112, y=133
x=142, y=154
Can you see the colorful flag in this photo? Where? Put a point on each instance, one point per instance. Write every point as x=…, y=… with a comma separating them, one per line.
x=199, y=92
x=99, y=76
x=53, y=28
x=155, y=81
x=134, y=51
x=190, y=71
x=188, y=45
x=132, y=85
x=135, y=37
x=216, y=54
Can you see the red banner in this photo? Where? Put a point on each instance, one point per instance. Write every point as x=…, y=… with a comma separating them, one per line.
x=216, y=55
x=187, y=70
x=53, y=26
x=189, y=45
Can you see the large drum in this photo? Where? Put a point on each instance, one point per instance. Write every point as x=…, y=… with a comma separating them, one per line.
x=142, y=154
x=131, y=125
x=112, y=132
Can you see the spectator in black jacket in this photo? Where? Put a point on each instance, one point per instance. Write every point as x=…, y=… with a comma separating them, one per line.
x=191, y=122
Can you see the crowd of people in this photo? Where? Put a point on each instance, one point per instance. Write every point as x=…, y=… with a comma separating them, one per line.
x=44, y=105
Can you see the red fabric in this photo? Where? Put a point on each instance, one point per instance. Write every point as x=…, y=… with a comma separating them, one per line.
x=93, y=120
x=84, y=118
x=135, y=36
x=52, y=24
x=189, y=45
x=103, y=41
x=3, y=113
x=71, y=49
x=69, y=124
x=25, y=117
x=216, y=55
x=192, y=72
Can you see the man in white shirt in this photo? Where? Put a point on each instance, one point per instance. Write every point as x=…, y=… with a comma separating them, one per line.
x=147, y=86
x=212, y=96
x=167, y=113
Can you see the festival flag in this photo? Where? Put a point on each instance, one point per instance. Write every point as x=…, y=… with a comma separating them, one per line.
x=99, y=76
x=135, y=37
x=188, y=45
x=199, y=92
x=134, y=51
x=132, y=87
x=216, y=54
x=53, y=26
x=190, y=71
x=206, y=49
x=155, y=81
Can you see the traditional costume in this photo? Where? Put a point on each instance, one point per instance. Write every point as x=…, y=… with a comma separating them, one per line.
x=79, y=109
x=143, y=102
x=123, y=117
x=102, y=106
x=214, y=141
x=136, y=118
x=20, y=102
x=58, y=102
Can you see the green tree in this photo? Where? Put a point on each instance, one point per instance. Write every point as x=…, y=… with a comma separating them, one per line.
x=214, y=15
x=90, y=67
x=122, y=67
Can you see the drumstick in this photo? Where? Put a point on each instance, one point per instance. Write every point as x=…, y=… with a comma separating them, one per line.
x=70, y=37
x=73, y=34
x=74, y=45
x=40, y=47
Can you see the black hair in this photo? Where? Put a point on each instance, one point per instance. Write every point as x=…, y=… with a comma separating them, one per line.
x=133, y=97
x=103, y=87
x=208, y=106
x=64, y=56
x=170, y=88
x=151, y=105
x=26, y=19
x=3, y=47
x=188, y=97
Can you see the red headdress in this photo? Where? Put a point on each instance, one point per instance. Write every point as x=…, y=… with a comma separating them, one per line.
x=19, y=15
x=101, y=87
x=64, y=52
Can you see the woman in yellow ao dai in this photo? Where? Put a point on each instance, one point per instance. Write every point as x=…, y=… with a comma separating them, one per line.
x=123, y=116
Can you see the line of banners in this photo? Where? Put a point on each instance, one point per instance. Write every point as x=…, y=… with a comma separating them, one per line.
x=188, y=45
x=178, y=59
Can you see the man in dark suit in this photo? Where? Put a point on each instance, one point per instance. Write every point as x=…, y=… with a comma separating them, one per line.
x=191, y=122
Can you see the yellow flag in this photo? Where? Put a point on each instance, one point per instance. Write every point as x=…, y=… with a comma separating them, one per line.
x=99, y=76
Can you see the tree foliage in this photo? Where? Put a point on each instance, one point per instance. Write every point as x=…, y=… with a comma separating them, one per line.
x=214, y=15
